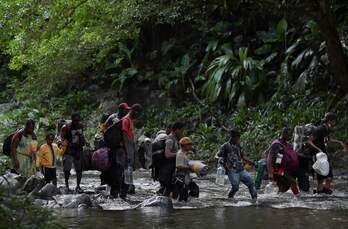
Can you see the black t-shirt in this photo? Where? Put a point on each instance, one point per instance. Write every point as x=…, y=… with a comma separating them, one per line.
x=321, y=135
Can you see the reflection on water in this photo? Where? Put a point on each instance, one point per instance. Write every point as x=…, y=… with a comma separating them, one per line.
x=213, y=209
x=231, y=217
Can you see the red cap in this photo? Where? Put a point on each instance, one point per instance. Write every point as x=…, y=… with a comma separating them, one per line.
x=124, y=106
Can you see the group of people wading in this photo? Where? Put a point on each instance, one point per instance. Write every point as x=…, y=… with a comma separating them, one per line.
x=168, y=155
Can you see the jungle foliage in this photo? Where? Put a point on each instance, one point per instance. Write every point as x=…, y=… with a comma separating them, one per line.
x=239, y=58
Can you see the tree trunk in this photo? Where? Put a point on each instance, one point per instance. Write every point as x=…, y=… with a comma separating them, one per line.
x=320, y=10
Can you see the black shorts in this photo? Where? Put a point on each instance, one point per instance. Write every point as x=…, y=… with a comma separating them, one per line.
x=50, y=174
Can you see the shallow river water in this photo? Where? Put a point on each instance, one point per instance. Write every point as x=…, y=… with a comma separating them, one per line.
x=212, y=209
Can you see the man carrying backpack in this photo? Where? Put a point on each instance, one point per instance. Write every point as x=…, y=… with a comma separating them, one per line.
x=158, y=148
x=72, y=134
x=283, y=163
x=23, y=148
x=232, y=157
x=317, y=141
x=167, y=168
x=123, y=110
x=122, y=154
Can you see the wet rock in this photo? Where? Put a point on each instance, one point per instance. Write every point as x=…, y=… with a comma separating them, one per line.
x=158, y=201
x=74, y=201
x=11, y=181
x=49, y=190
x=33, y=185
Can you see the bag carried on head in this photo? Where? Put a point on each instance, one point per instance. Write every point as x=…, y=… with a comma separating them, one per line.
x=302, y=134
x=100, y=159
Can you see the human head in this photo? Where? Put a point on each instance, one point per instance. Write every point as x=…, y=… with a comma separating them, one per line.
x=186, y=144
x=75, y=118
x=235, y=136
x=330, y=119
x=136, y=111
x=30, y=126
x=177, y=129
x=286, y=134
x=123, y=109
x=49, y=138
x=169, y=129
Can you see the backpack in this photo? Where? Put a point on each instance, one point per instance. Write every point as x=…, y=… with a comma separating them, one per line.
x=290, y=158
x=6, y=147
x=302, y=134
x=100, y=159
x=158, y=148
x=113, y=135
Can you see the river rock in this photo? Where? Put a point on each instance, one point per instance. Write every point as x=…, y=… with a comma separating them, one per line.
x=158, y=201
x=49, y=190
x=74, y=201
x=33, y=185
x=11, y=181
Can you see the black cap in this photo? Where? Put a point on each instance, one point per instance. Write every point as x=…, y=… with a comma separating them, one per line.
x=330, y=116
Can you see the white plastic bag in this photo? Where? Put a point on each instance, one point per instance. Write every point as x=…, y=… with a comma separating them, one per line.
x=321, y=166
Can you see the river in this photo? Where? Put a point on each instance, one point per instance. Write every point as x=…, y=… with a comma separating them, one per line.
x=212, y=209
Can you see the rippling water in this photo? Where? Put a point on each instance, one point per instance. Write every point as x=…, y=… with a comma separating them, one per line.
x=213, y=209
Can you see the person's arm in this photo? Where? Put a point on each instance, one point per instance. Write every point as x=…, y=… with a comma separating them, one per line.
x=246, y=159
x=64, y=132
x=60, y=150
x=181, y=164
x=14, y=145
x=168, y=150
x=310, y=142
x=109, y=121
x=222, y=156
x=126, y=143
x=343, y=145
x=183, y=168
x=39, y=156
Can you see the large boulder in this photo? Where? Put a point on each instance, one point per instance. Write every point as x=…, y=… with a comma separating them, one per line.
x=11, y=181
x=158, y=201
x=48, y=191
x=33, y=185
x=74, y=201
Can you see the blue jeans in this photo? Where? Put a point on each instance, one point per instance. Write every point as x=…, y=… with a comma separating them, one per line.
x=244, y=177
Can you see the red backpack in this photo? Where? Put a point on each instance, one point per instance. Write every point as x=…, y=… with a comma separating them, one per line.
x=290, y=159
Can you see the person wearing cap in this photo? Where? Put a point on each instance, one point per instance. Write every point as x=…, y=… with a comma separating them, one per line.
x=232, y=158
x=123, y=110
x=123, y=157
x=317, y=141
x=184, y=183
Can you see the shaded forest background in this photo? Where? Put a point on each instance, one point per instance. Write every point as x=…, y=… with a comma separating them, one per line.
x=255, y=64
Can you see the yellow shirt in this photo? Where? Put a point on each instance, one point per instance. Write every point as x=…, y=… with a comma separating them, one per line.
x=45, y=157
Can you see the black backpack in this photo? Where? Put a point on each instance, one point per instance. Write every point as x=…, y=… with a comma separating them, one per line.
x=158, y=148
x=302, y=134
x=6, y=147
x=113, y=135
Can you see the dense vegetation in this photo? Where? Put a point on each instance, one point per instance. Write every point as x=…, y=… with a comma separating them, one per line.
x=256, y=64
